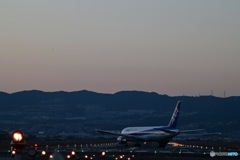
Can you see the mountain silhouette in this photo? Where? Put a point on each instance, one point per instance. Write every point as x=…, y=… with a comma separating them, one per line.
x=125, y=108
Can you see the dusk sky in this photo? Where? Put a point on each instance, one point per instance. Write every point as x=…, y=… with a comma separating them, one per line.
x=174, y=47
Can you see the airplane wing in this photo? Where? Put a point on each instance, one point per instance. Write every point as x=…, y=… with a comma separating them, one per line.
x=195, y=130
x=186, y=133
x=108, y=132
x=165, y=130
x=119, y=134
x=202, y=134
x=4, y=132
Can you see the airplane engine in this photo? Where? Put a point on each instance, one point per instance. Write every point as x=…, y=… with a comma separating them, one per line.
x=121, y=140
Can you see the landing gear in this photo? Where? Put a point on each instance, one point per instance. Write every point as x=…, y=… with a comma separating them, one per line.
x=137, y=145
x=161, y=145
x=123, y=143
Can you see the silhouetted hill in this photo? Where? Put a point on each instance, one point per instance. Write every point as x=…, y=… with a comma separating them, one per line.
x=120, y=100
x=90, y=109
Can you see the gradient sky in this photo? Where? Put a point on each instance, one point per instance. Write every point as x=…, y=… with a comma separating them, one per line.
x=186, y=47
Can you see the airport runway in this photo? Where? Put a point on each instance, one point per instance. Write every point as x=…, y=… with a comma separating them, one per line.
x=113, y=151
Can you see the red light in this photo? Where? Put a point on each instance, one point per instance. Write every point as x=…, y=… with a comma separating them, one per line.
x=35, y=146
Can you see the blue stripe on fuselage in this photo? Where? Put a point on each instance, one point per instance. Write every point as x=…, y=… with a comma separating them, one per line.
x=149, y=131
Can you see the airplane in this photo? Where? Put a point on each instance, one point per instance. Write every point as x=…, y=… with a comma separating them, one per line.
x=160, y=134
x=18, y=144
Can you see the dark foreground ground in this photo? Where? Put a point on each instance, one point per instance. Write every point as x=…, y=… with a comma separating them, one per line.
x=95, y=149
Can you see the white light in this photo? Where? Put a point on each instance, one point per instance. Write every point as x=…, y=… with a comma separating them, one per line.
x=68, y=156
x=51, y=156
x=17, y=136
x=103, y=153
x=13, y=152
x=43, y=153
x=73, y=153
x=86, y=156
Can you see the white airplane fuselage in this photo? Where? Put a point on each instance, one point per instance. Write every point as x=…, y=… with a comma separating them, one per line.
x=150, y=133
x=160, y=134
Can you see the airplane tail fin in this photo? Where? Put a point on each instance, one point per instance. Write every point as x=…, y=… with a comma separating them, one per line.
x=173, y=121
